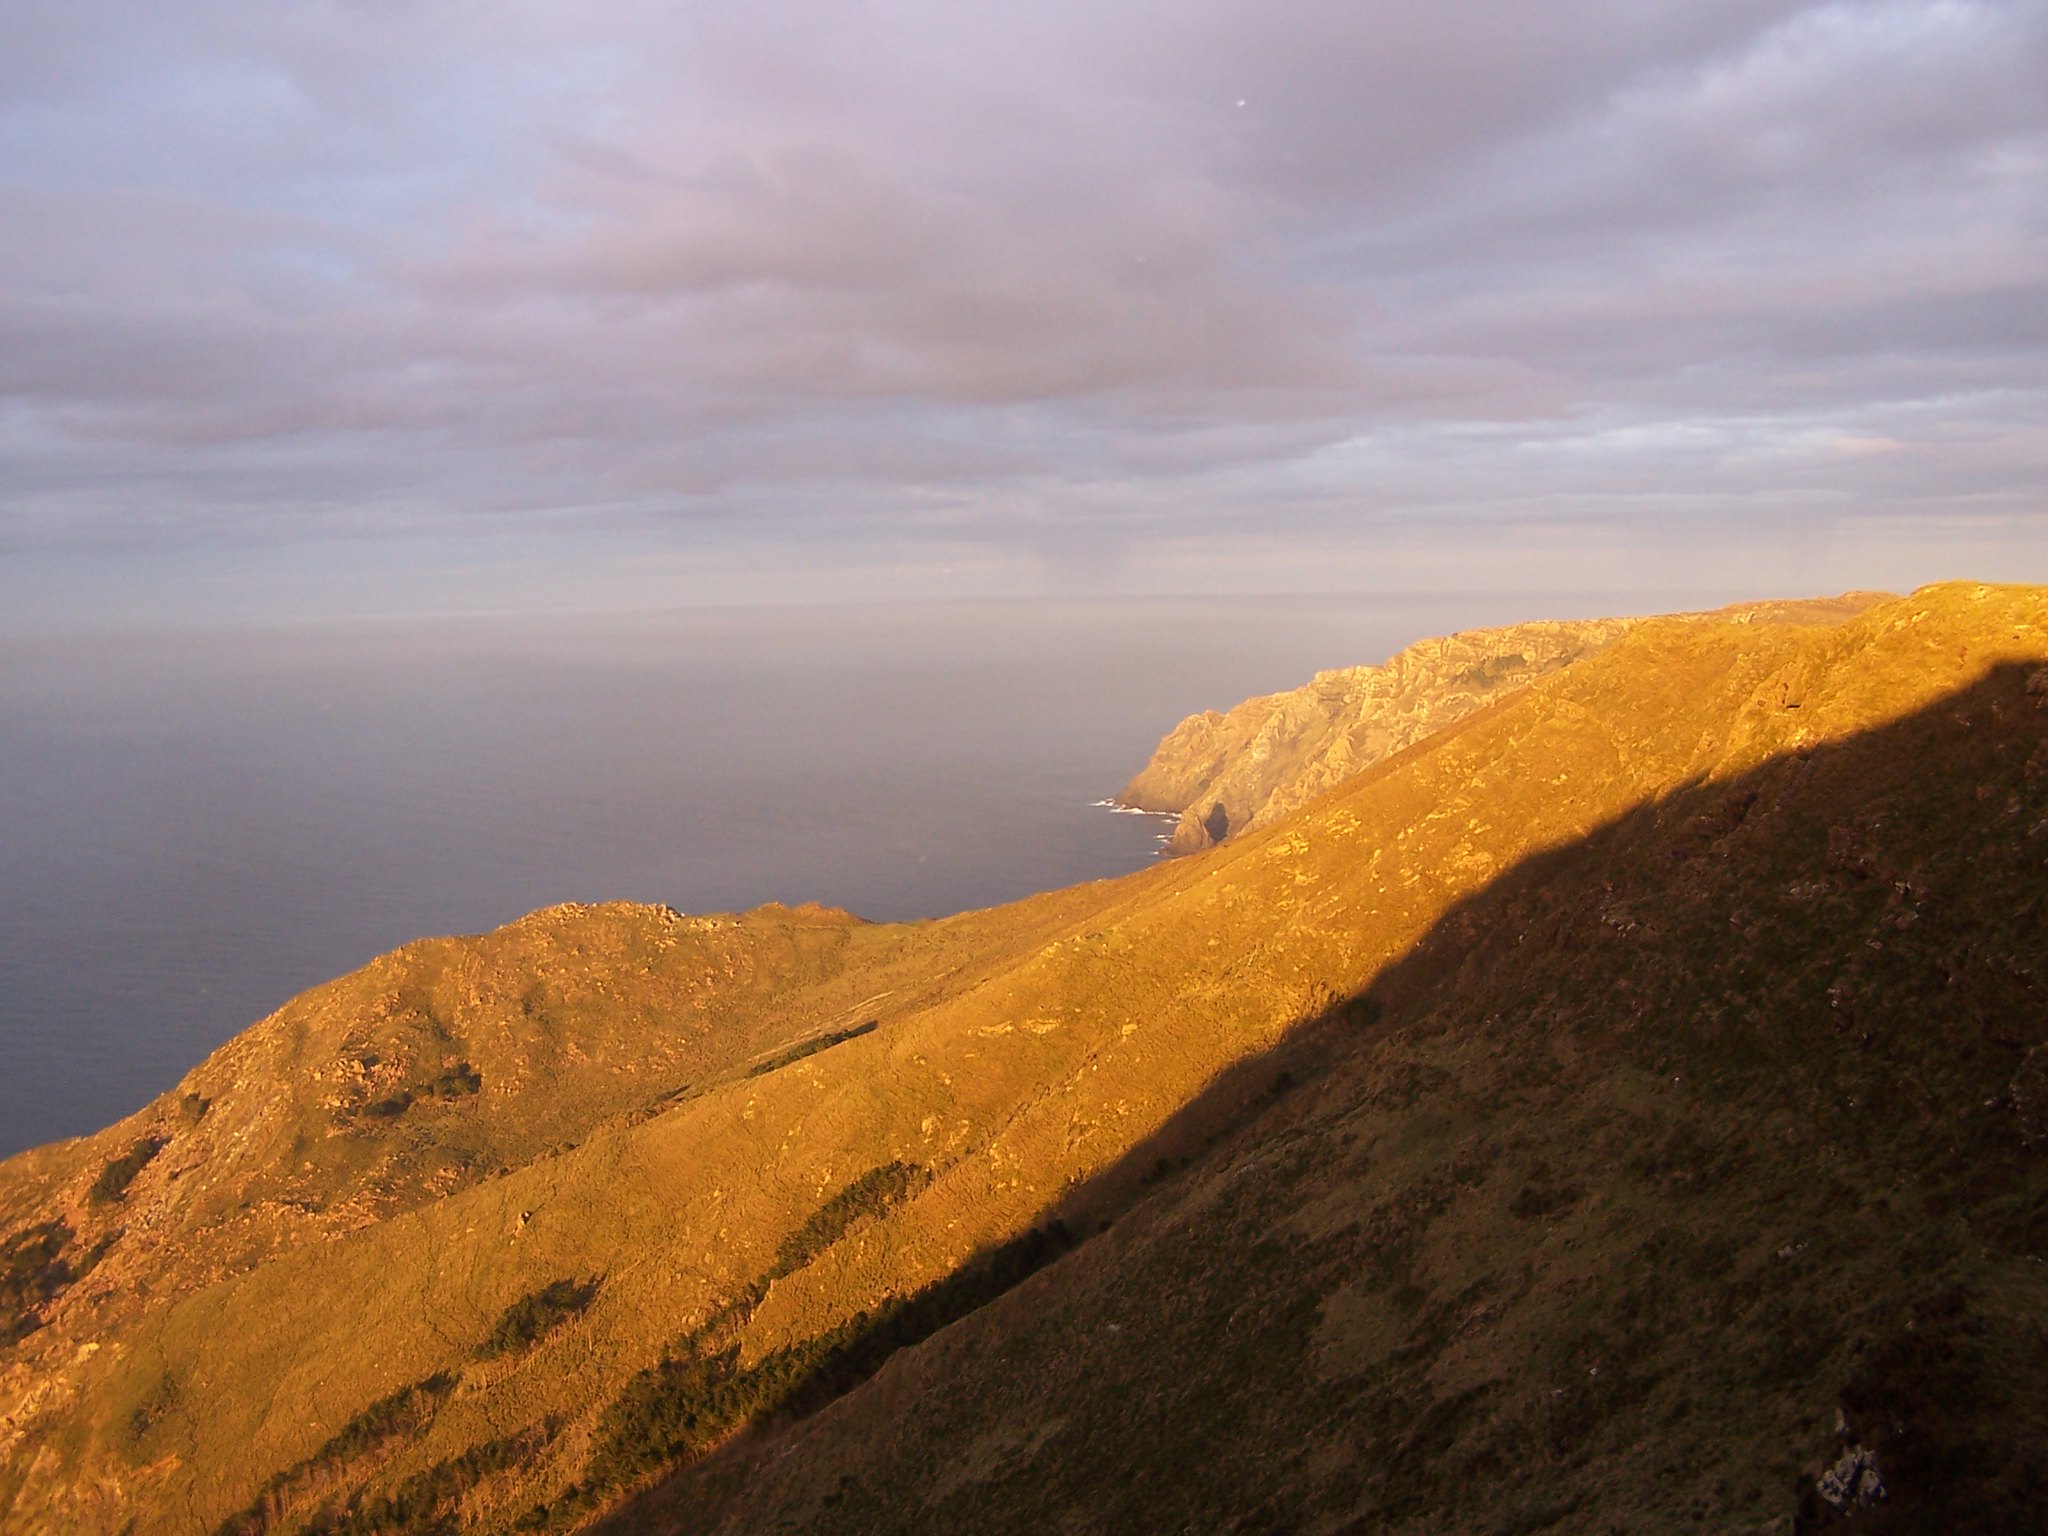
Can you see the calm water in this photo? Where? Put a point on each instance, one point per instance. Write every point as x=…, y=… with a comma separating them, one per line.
x=193, y=827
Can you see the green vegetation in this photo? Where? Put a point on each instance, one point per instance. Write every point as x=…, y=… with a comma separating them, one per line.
x=677, y=1409
x=147, y=1413
x=1534, y=1201
x=456, y=1082
x=693, y=1400
x=32, y=1270
x=429, y=1503
x=700, y=1393
x=114, y=1179
x=386, y=1424
x=811, y=1047
x=865, y=1198
x=536, y=1314
x=396, y=1416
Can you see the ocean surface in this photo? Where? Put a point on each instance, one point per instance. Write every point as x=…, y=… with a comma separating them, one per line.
x=196, y=825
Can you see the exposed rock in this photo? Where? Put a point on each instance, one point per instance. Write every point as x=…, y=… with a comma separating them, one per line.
x=1227, y=772
x=1853, y=1480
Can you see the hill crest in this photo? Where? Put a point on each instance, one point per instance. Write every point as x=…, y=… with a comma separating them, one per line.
x=1225, y=772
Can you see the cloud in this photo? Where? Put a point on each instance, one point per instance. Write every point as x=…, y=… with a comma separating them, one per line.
x=281, y=271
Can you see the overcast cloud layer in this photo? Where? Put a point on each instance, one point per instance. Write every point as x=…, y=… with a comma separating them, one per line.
x=1060, y=283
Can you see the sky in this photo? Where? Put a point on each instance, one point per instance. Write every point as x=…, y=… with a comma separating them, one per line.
x=368, y=305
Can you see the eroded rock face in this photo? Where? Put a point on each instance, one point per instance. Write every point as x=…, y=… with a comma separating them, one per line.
x=1225, y=772
x=1853, y=1481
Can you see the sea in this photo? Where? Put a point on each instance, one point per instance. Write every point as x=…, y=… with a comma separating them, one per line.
x=196, y=824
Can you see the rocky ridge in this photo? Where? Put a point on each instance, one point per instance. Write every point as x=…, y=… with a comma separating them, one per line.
x=1225, y=772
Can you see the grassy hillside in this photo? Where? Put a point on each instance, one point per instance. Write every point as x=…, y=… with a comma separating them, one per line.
x=1686, y=1174
x=1558, y=1122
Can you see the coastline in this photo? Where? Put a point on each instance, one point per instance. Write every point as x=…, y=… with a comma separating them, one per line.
x=1172, y=818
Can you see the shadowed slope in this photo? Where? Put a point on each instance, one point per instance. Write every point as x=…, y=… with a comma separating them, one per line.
x=1688, y=1176
x=741, y=1200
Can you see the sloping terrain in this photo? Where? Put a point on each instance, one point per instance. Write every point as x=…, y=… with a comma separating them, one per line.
x=1691, y=1175
x=1231, y=771
x=1559, y=1121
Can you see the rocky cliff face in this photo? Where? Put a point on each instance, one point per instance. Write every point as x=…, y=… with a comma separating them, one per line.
x=1226, y=772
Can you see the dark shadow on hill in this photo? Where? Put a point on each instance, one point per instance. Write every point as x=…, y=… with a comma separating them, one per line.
x=1811, y=1001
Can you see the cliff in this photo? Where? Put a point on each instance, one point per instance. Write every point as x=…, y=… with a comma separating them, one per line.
x=1227, y=772
x=1620, y=1110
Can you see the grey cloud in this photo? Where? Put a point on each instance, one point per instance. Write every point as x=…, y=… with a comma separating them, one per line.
x=339, y=263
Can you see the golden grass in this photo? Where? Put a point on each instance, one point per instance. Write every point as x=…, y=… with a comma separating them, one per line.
x=286, y=1259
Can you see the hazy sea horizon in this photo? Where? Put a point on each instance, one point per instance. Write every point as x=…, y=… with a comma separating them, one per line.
x=197, y=824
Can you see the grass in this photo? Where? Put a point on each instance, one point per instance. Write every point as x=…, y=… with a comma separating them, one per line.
x=695, y=1399
x=430, y=1503
x=388, y=1423
x=1600, y=1043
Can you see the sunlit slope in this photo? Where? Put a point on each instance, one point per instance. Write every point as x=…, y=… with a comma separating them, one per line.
x=444, y=1063
x=325, y=1257
x=1687, y=1177
x=1228, y=772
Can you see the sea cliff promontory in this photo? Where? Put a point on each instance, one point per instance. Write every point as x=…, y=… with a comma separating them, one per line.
x=1225, y=772
x=1621, y=1110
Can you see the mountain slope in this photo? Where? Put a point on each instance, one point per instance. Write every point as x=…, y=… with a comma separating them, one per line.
x=1687, y=1176
x=1228, y=772
x=785, y=1124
